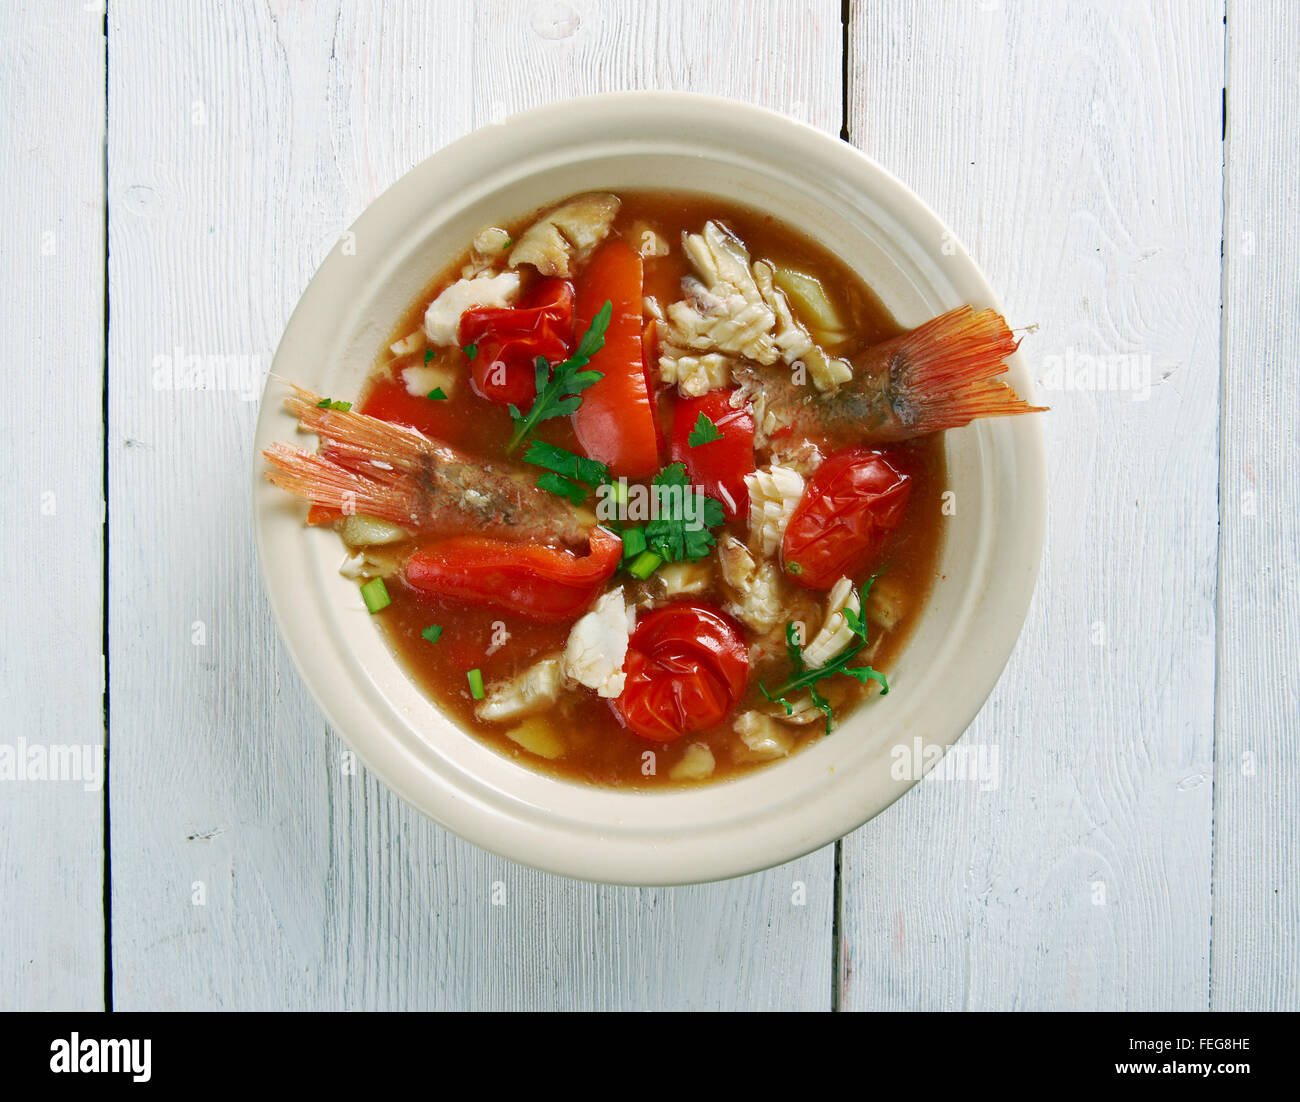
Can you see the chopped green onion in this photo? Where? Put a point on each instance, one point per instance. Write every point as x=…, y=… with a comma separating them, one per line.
x=476, y=684
x=436, y=395
x=644, y=564
x=633, y=542
x=470, y=350
x=375, y=594
x=618, y=490
x=432, y=633
x=428, y=354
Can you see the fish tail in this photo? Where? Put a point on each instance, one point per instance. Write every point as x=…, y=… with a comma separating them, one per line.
x=356, y=440
x=322, y=481
x=944, y=374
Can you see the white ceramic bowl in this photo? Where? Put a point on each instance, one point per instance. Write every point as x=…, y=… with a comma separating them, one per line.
x=989, y=561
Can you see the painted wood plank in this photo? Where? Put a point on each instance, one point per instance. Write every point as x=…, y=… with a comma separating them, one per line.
x=1075, y=149
x=51, y=557
x=270, y=129
x=1255, y=959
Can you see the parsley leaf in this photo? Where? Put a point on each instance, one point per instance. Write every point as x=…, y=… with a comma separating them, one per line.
x=437, y=395
x=803, y=678
x=470, y=350
x=565, y=487
x=559, y=390
x=328, y=403
x=562, y=461
x=704, y=432
x=432, y=633
x=675, y=534
x=428, y=354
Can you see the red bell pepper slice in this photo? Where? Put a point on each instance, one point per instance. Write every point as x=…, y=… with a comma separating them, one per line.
x=532, y=580
x=508, y=340
x=616, y=421
x=323, y=514
x=719, y=466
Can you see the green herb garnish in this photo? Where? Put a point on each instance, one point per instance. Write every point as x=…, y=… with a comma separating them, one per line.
x=428, y=354
x=559, y=389
x=326, y=403
x=673, y=535
x=633, y=542
x=564, y=462
x=803, y=678
x=704, y=432
x=375, y=594
x=432, y=633
x=475, y=678
x=644, y=565
x=564, y=487
x=436, y=395
x=470, y=350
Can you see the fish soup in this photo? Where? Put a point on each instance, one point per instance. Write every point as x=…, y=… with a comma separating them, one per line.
x=647, y=489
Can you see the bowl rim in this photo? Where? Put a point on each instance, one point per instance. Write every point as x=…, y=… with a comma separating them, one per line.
x=505, y=823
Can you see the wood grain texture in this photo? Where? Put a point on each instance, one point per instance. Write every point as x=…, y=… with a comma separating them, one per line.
x=51, y=670
x=1075, y=149
x=243, y=140
x=1255, y=958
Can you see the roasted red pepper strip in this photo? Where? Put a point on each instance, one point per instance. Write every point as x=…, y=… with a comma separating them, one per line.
x=532, y=580
x=323, y=514
x=508, y=340
x=686, y=667
x=853, y=501
x=616, y=422
x=721, y=465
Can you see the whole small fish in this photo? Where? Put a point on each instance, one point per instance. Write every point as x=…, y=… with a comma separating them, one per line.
x=398, y=474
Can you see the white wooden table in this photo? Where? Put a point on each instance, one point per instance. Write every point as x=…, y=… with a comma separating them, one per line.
x=1139, y=847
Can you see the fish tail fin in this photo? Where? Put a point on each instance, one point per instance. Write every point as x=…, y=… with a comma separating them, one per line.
x=324, y=482
x=944, y=374
x=358, y=441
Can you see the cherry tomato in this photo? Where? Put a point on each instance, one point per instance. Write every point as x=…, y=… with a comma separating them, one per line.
x=686, y=667
x=508, y=340
x=853, y=500
x=537, y=582
x=721, y=465
x=616, y=421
